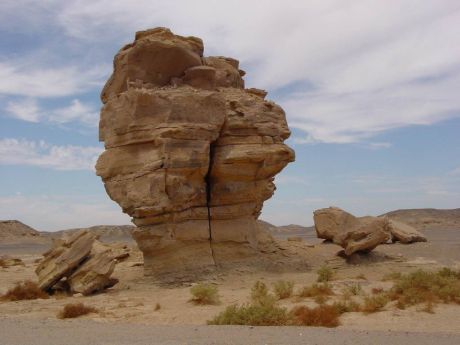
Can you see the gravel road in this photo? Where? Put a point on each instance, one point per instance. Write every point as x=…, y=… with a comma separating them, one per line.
x=85, y=332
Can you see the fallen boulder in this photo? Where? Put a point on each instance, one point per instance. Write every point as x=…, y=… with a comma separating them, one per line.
x=63, y=258
x=353, y=234
x=404, y=233
x=80, y=264
x=94, y=274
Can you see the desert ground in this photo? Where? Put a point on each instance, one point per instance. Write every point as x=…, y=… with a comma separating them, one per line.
x=129, y=313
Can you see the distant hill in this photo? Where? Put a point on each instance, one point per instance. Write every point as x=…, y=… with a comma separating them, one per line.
x=106, y=233
x=13, y=231
x=428, y=218
x=290, y=230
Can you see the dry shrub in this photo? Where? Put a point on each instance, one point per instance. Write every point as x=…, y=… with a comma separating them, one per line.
x=253, y=315
x=283, y=289
x=2, y=263
x=24, y=291
x=316, y=290
x=361, y=276
x=346, y=306
x=392, y=276
x=426, y=287
x=157, y=307
x=354, y=289
x=75, y=310
x=320, y=316
x=325, y=274
x=260, y=295
x=204, y=294
x=374, y=303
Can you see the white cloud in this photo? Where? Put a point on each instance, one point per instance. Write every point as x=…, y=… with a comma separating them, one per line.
x=52, y=212
x=26, y=110
x=363, y=66
x=30, y=79
x=29, y=110
x=39, y=153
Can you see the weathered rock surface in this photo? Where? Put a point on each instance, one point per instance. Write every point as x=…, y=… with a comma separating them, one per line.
x=190, y=154
x=404, y=233
x=351, y=233
x=61, y=260
x=94, y=274
x=79, y=263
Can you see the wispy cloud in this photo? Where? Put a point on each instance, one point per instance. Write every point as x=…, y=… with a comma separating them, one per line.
x=29, y=110
x=26, y=110
x=39, y=153
x=30, y=79
x=359, y=68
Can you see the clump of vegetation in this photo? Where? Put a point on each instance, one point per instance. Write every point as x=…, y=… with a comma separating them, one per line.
x=157, y=307
x=252, y=314
x=283, y=289
x=75, y=310
x=375, y=303
x=260, y=295
x=354, y=289
x=377, y=290
x=320, y=316
x=316, y=290
x=2, y=263
x=204, y=294
x=26, y=290
x=325, y=274
x=347, y=306
x=426, y=287
x=262, y=311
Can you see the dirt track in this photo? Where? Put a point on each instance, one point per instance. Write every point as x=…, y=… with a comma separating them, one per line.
x=85, y=332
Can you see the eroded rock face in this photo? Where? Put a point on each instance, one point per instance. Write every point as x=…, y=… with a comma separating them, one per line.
x=352, y=233
x=190, y=154
x=79, y=264
x=61, y=260
x=404, y=233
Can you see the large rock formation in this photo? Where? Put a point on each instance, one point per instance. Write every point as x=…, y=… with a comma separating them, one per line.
x=351, y=233
x=190, y=153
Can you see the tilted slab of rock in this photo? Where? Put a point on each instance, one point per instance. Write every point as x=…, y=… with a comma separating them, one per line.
x=404, y=233
x=79, y=263
x=61, y=260
x=94, y=274
x=190, y=153
x=351, y=233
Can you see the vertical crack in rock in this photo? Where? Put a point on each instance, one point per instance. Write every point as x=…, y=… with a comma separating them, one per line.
x=208, y=181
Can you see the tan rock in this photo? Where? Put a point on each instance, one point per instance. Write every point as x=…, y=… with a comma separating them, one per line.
x=404, y=233
x=94, y=274
x=61, y=260
x=190, y=154
x=351, y=233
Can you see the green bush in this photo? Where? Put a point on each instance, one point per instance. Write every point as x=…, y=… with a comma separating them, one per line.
x=283, y=289
x=325, y=274
x=204, y=294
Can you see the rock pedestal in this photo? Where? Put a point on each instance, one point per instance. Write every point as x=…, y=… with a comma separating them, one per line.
x=190, y=153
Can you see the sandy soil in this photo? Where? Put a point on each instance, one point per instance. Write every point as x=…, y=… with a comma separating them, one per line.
x=131, y=304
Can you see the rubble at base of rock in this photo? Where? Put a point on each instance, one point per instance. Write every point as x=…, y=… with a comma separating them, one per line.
x=77, y=265
x=190, y=153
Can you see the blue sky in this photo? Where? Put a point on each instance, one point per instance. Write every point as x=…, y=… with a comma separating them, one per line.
x=370, y=88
